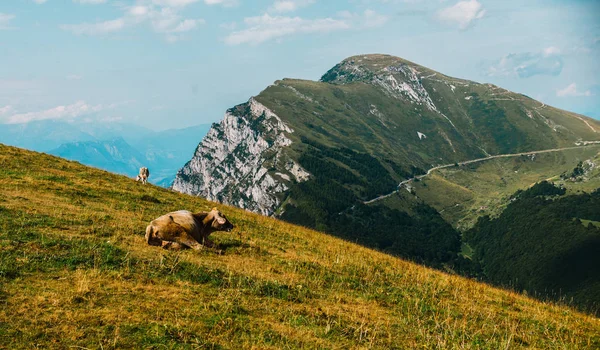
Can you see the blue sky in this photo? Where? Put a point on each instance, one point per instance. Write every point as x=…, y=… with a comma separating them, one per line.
x=174, y=63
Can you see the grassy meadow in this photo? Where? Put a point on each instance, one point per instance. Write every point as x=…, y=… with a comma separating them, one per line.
x=75, y=272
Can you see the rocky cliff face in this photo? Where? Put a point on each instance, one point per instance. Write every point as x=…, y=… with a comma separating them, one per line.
x=242, y=161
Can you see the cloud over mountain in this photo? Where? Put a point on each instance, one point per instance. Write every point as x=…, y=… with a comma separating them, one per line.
x=528, y=64
x=264, y=28
x=64, y=112
x=571, y=91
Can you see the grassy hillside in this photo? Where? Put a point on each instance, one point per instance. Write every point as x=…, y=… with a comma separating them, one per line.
x=75, y=272
x=463, y=194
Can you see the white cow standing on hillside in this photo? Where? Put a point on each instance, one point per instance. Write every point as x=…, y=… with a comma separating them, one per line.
x=143, y=175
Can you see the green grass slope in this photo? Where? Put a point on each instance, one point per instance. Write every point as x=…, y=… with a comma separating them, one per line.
x=75, y=272
x=463, y=194
x=377, y=104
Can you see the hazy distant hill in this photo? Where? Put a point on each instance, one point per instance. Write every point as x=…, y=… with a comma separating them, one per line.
x=167, y=151
x=116, y=147
x=114, y=155
x=43, y=135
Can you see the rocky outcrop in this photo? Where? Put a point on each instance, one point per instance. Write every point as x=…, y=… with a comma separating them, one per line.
x=398, y=80
x=242, y=161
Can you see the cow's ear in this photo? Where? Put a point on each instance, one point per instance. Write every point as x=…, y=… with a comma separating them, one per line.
x=221, y=221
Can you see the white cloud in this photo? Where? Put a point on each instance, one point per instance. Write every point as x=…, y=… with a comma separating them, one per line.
x=281, y=6
x=550, y=51
x=367, y=19
x=186, y=25
x=225, y=3
x=168, y=20
x=95, y=28
x=4, y=20
x=138, y=11
x=90, y=2
x=164, y=16
x=373, y=19
x=571, y=91
x=463, y=13
x=163, y=20
x=39, y=1
x=173, y=3
x=527, y=64
x=69, y=112
x=263, y=28
x=5, y=109
x=266, y=27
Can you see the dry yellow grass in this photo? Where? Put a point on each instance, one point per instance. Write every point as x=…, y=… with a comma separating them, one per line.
x=75, y=272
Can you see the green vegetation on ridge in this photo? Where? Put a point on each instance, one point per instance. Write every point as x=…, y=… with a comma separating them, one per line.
x=462, y=194
x=333, y=203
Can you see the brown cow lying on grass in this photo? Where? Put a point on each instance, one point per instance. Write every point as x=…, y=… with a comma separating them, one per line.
x=182, y=229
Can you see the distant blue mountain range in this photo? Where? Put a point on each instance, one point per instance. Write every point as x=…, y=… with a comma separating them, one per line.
x=115, y=147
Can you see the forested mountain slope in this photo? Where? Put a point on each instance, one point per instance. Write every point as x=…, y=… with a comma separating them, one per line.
x=544, y=242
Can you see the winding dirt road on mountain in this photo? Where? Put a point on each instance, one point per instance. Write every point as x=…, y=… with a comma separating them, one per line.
x=584, y=144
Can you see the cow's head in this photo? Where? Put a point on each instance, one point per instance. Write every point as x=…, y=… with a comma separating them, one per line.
x=220, y=222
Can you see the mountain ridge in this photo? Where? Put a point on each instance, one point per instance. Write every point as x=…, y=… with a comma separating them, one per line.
x=113, y=155
x=471, y=161
x=371, y=123
x=353, y=64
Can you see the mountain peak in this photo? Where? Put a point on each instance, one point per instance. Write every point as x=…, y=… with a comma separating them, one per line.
x=378, y=59
x=366, y=67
